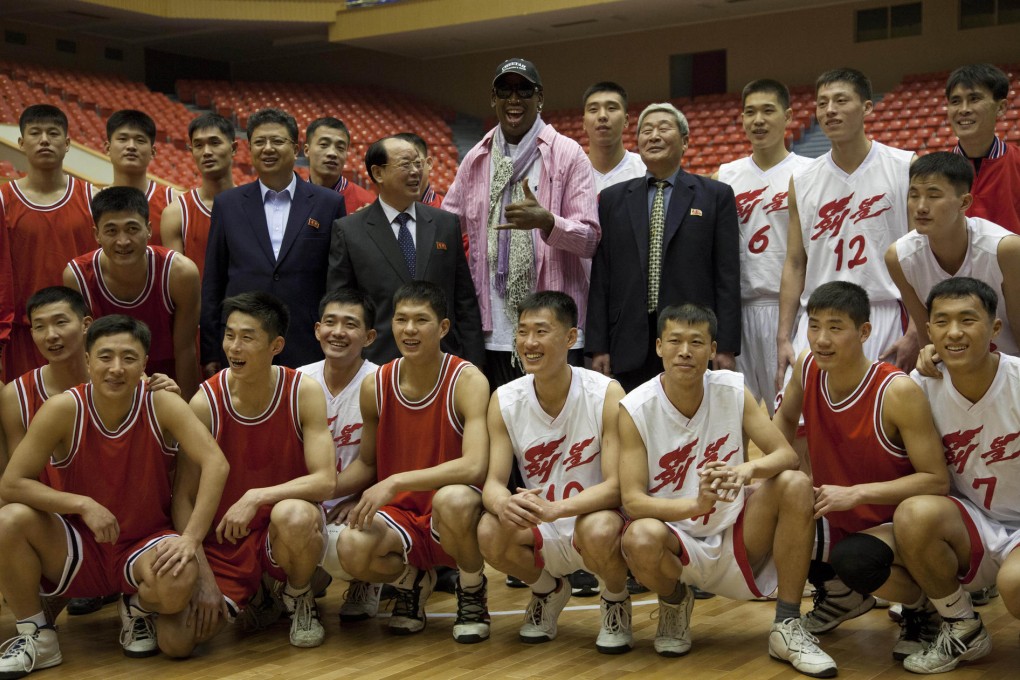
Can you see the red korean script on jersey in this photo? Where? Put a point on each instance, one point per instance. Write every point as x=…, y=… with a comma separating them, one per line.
x=541, y=458
x=746, y=203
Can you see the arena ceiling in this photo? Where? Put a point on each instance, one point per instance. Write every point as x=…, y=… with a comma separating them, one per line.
x=235, y=41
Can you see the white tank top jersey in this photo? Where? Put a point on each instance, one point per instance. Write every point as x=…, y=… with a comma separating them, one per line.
x=763, y=214
x=678, y=447
x=343, y=412
x=561, y=454
x=630, y=167
x=923, y=271
x=981, y=441
x=848, y=221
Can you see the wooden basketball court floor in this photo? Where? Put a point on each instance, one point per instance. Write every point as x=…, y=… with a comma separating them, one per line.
x=730, y=643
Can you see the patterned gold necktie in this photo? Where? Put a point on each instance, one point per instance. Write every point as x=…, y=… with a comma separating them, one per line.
x=655, y=227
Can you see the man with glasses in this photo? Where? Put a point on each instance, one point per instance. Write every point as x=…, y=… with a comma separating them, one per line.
x=272, y=235
x=526, y=197
x=396, y=240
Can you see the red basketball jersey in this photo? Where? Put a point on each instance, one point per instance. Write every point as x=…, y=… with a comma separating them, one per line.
x=126, y=470
x=42, y=239
x=847, y=443
x=32, y=395
x=159, y=197
x=153, y=305
x=265, y=450
x=354, y=195
x=195, y=220
x=413, y=435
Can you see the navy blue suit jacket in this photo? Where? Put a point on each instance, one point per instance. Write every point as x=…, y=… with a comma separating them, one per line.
x=239, y=258
x=700, y=263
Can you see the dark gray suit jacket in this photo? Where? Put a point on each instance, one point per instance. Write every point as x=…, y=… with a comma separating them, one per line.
x=700, y=263
x=239, y=258
x=364, y=255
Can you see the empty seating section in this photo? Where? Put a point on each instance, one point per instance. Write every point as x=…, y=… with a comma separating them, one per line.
x=911, y=116
x=369, y=113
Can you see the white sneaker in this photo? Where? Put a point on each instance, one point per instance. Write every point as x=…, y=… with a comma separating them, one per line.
x=305, y=628
x=789, y=642
x=958, y=640
x=137, y=633
x=615, y=636
x=361, y=601
x=31, y=649
x=673, y=636
x=543, y=612
x=830, y=609
x=409, y=604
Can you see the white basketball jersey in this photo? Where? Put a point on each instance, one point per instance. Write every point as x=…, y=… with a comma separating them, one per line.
x=848, y=221
x=678, y=447
x=763, y=214
x=923, y=271
x=561, y=454
x=343, y=412
x=982, y=441
x=630, y=167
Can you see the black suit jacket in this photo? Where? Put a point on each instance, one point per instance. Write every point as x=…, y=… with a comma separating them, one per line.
x=700, y=263
x=365, y=255
x=239, y=258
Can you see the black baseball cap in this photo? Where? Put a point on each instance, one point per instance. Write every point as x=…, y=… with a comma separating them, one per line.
x=521, y=67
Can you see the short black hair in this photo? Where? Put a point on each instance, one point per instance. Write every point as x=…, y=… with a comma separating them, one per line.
x=350, y=296
x=841, y=296
x=689, y=313
x=414, y=139
x=131, y=118
x=560, y=304
x=212, y=120
x=604, y=86
x=980, y=75
x=964, y=286
x=422, y=291
x=857, y=80
x=376, y=155
x=42, y=113
x=328, y=122
x=115, y=324
x=271, y=116
x=52, y=295
x=767, y=86
x=269, y=310
x=953, y=167
x=119, y=199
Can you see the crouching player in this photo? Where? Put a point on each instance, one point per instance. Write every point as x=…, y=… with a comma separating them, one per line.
x=109, y=529
x=683, y=478
x=953, y=545
x=558, y=423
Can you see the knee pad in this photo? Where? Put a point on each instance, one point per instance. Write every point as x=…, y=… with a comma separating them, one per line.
x=863, y=562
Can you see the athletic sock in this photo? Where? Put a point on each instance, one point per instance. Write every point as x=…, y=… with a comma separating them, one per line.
x=471, y=580
x=786, y=610
x=406, y=580
x=615, y=597
x=38, y=619
x=678, y=594
x=544, y=585
x=957, y=605
x=291, y=591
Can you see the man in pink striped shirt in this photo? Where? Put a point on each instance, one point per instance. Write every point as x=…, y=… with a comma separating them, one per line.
x=526, y=198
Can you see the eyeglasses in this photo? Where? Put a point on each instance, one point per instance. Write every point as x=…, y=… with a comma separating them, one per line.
x=523, y=91
x=406, y=166
x=274, y=142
